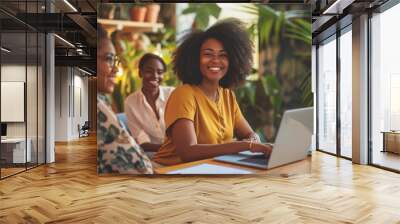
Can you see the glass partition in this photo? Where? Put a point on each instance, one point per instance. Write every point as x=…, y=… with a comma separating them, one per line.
x=327, y=95
x=22, y=89
x=14, y=151
x=385, y=89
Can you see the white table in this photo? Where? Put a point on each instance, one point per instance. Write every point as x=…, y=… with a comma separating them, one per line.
x=18, y=149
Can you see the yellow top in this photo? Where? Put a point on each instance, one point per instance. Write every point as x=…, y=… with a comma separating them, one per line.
x=214, y=122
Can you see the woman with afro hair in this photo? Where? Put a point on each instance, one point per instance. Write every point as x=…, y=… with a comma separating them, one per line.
x=202, y=116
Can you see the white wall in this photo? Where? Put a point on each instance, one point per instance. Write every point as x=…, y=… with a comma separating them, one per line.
x=61, y=104
x=13, y=73
x=71, y=94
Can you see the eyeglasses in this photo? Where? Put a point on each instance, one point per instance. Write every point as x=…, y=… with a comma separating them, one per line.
x=112, y=60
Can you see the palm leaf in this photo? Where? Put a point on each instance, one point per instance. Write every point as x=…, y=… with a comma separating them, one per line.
x=307, y=96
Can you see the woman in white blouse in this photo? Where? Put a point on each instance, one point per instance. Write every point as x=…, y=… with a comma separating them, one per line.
x=145, y=107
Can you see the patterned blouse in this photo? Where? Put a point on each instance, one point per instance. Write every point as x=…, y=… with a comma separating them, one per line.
x=117, y=151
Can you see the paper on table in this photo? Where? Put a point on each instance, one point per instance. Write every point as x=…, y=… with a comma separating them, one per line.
x=209, y=169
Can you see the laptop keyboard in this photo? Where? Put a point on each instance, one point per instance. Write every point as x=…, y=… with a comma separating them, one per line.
x=259, y=159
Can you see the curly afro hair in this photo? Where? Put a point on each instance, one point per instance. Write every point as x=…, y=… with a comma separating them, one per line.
x=236, y=42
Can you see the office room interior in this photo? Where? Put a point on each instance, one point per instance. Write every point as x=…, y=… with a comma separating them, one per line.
x=48, y=150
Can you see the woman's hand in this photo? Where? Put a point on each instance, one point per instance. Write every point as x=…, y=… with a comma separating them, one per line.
x=259, y=147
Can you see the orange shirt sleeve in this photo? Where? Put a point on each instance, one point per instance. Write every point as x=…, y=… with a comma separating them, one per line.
x=181, y=104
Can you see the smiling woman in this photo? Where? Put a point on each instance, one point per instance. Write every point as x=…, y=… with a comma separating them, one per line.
x=202, y=116
x=117, y=151
x=145, y=107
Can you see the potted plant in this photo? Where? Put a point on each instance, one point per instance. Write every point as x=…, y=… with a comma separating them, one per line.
x=152, y=13
x=138, y=13
x=107, y=11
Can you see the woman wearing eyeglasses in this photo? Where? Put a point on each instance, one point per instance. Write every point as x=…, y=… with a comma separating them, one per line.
x=145, y=107
x=117, y=151
x=202, y=116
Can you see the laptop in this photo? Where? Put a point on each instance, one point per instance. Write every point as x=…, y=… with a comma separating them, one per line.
x=292, y=142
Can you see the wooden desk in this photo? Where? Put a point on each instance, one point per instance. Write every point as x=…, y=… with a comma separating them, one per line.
x=296, y=168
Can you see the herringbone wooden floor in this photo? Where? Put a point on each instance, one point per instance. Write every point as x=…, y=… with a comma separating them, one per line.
x=69, y=191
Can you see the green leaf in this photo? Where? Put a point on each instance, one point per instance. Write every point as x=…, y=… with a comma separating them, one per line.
x=300, y=30
x=305, y=86
x=280, y=22
x=202, y=13
x=214, y=10
x=267, y=11
x=202, y=20
x=265, y=28
x=250, y=9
